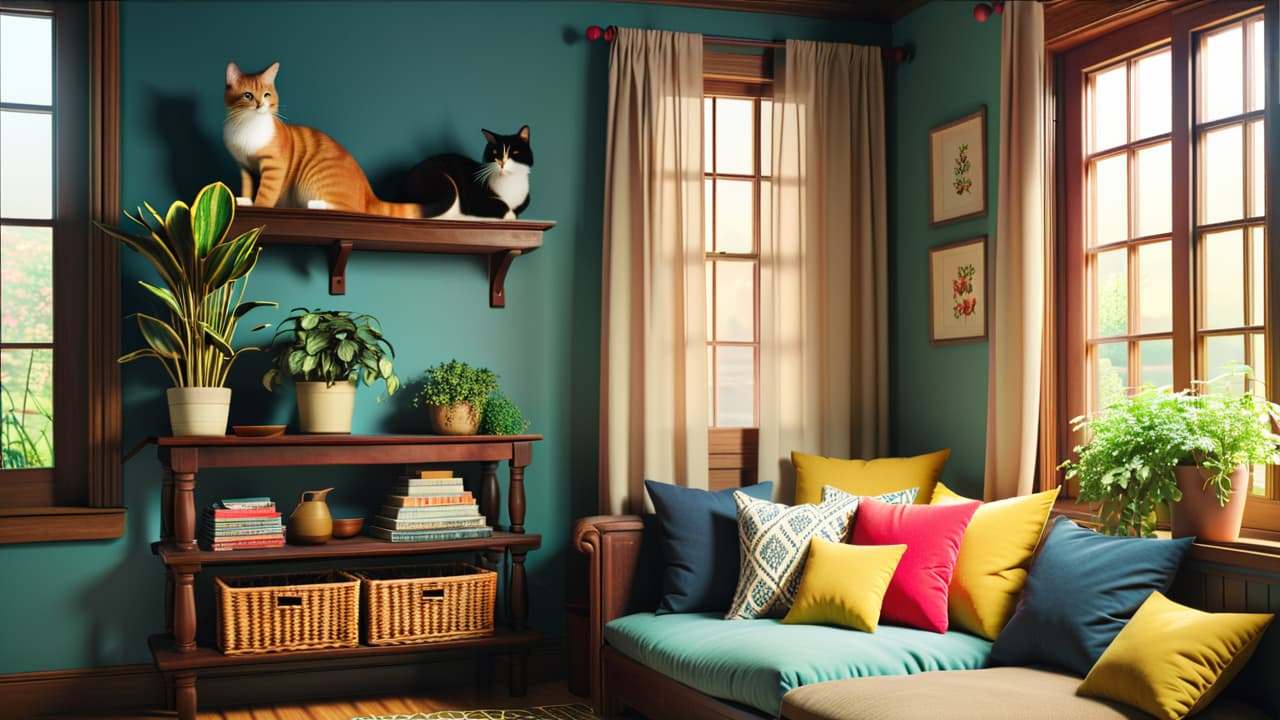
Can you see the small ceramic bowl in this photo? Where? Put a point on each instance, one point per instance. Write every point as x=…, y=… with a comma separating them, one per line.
x=347, y=527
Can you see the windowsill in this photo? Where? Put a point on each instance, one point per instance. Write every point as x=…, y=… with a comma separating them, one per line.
x=60, y=524
x=1255, y=550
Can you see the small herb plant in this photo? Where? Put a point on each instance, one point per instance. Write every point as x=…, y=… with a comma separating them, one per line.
x=1136, y=442
x=332, y=346
x=456, y=382
x=502, y=417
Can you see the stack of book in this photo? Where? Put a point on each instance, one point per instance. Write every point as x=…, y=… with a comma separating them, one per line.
x=234, y=523
x=430, y=506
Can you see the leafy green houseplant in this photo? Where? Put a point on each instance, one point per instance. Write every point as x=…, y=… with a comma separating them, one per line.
x=204, y=273
x=1157, y=446
x=325, y=352
x=455, y=394
x=502, y=417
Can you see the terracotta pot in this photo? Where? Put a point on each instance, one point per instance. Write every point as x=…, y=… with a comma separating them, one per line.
x=200, y=411
x=456, y=419
x=1198, y=513
x=325, y=409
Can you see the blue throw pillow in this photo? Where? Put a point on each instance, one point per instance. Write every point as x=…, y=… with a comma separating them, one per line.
x=699, y=544
x=1080, y=593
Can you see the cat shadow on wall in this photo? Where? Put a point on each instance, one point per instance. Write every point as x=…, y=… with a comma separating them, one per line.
x=193, y=159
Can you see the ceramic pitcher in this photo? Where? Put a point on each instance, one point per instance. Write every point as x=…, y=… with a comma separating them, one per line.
x=310, y=522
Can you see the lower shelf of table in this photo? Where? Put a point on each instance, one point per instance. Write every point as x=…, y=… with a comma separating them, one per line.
x=350, y=548
x=169, y=660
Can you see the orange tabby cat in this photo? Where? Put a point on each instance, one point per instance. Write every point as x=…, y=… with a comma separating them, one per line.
x=295, y=166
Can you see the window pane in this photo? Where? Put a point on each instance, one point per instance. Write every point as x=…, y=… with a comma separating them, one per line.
x=1257, y=90
x=1223, y=287
x=1109, y=108
x=766, y=137
x=1151, y=86
x=711, y=387
x=1111, y=373
x=26, y=408
x=1154, y=190
x=26, y=165
x=1221, y=177
x=26, y=60
x=734, y=145
x=1112, y=299
x=1259, y=362
x=708, y=217
x=1155, y=288
x=1221, y=74
x=1110, y=200
x=735, y=301
x=735, y=386
x=711, y=294
x=1257, y=170
x=735, y=216
x=1258, y=281
x=708, y=136
x=1220, y=353
x=26, y=284
x=766, y=212
x=1157, y=362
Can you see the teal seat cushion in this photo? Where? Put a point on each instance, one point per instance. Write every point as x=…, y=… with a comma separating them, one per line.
x=755, y=662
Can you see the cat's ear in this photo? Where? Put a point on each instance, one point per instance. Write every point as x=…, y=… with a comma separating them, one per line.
x=233, y=74
x=489, y=136
x=524, y=133
x=270, y=73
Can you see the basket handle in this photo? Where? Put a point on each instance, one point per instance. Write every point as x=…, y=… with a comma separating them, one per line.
x=286, y=601
x=433, y=595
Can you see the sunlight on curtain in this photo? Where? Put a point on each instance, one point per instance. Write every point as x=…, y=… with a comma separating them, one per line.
x=653, y=365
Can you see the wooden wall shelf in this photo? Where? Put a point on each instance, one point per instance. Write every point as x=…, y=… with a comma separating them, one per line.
x=500, y=240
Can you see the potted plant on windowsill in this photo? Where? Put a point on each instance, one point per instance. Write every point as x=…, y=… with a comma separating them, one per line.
x=454, y=395
x=328, y=351
x=1190, y=449
x=204, y=273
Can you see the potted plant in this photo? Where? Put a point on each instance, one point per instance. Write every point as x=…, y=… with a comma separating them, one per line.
x=1159, y=446
x=454, y=394
x=502, y=417
x=328, y=351
x=204, y=273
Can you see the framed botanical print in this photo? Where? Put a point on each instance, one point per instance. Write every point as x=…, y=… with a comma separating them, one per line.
x=958, y=292
x=958, y=169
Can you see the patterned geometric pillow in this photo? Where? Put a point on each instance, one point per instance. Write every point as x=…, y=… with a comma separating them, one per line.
x=897, y=497
x=774, y=542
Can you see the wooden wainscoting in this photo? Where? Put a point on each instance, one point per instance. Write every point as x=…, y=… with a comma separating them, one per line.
x=732, y=455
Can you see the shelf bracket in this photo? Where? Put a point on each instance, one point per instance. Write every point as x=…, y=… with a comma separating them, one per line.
x=339, y=253
x=499, y=263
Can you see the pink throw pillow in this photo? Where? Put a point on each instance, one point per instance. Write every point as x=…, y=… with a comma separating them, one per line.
x=917, y=595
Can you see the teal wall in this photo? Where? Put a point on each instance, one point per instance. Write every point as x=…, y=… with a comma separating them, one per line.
x=939, y=393
x=393, y=82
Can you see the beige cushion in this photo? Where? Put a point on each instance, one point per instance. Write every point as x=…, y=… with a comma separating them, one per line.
x=1005, y=692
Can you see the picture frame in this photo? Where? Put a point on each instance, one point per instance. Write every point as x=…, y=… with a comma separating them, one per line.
x=959, y=287
x=958, y=169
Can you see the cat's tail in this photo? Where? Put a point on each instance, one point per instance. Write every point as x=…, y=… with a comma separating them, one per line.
x=393, y=209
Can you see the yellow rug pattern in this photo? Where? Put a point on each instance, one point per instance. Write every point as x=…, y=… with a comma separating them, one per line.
x=545, y=712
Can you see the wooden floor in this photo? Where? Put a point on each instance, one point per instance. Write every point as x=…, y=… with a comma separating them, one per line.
x=467, y=698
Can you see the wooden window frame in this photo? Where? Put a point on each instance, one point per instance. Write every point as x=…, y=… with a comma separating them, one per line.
x=81, y=497
x=1176, y=24
x=733, y=453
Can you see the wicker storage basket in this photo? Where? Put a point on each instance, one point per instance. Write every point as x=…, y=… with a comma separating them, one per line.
x=297, y=611
x=426, y=603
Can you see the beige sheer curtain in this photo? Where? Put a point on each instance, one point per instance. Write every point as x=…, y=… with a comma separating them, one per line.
x=1018, y=301
x=654, y=355
x=824, y=378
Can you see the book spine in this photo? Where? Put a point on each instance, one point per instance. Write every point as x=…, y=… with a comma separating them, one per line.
x=443, y=490
x=429, y=535
x=263, y=513
x=404, y=524
x=430, y=512
x=434, y=474
x=406, y=501
x=429, y=482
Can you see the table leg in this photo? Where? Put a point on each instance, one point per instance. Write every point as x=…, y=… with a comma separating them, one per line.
x=515, y=498
x=490, y=501
x=184, y=687
x=166, y=505
x=184, y=510
x=184, y=609
x=168, y=600
x=519, y=591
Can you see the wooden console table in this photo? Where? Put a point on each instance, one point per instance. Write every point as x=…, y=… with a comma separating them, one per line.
x=177, y=655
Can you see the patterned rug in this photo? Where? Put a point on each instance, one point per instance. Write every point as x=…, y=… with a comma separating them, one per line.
x=545, y=712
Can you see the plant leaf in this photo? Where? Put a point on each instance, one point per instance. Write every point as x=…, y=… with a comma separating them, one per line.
x=161, y=337
x=212, y=213
x=347, y=350
x=165, y=296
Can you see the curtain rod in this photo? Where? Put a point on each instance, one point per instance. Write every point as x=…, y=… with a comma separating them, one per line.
x=595, y=32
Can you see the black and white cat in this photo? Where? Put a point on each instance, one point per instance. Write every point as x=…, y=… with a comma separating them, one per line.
x=455, y=186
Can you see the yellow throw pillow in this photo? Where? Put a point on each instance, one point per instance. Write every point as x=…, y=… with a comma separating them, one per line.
x=844, y=584
x=1172, y=660
x=867, y=477
x=995, y=556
